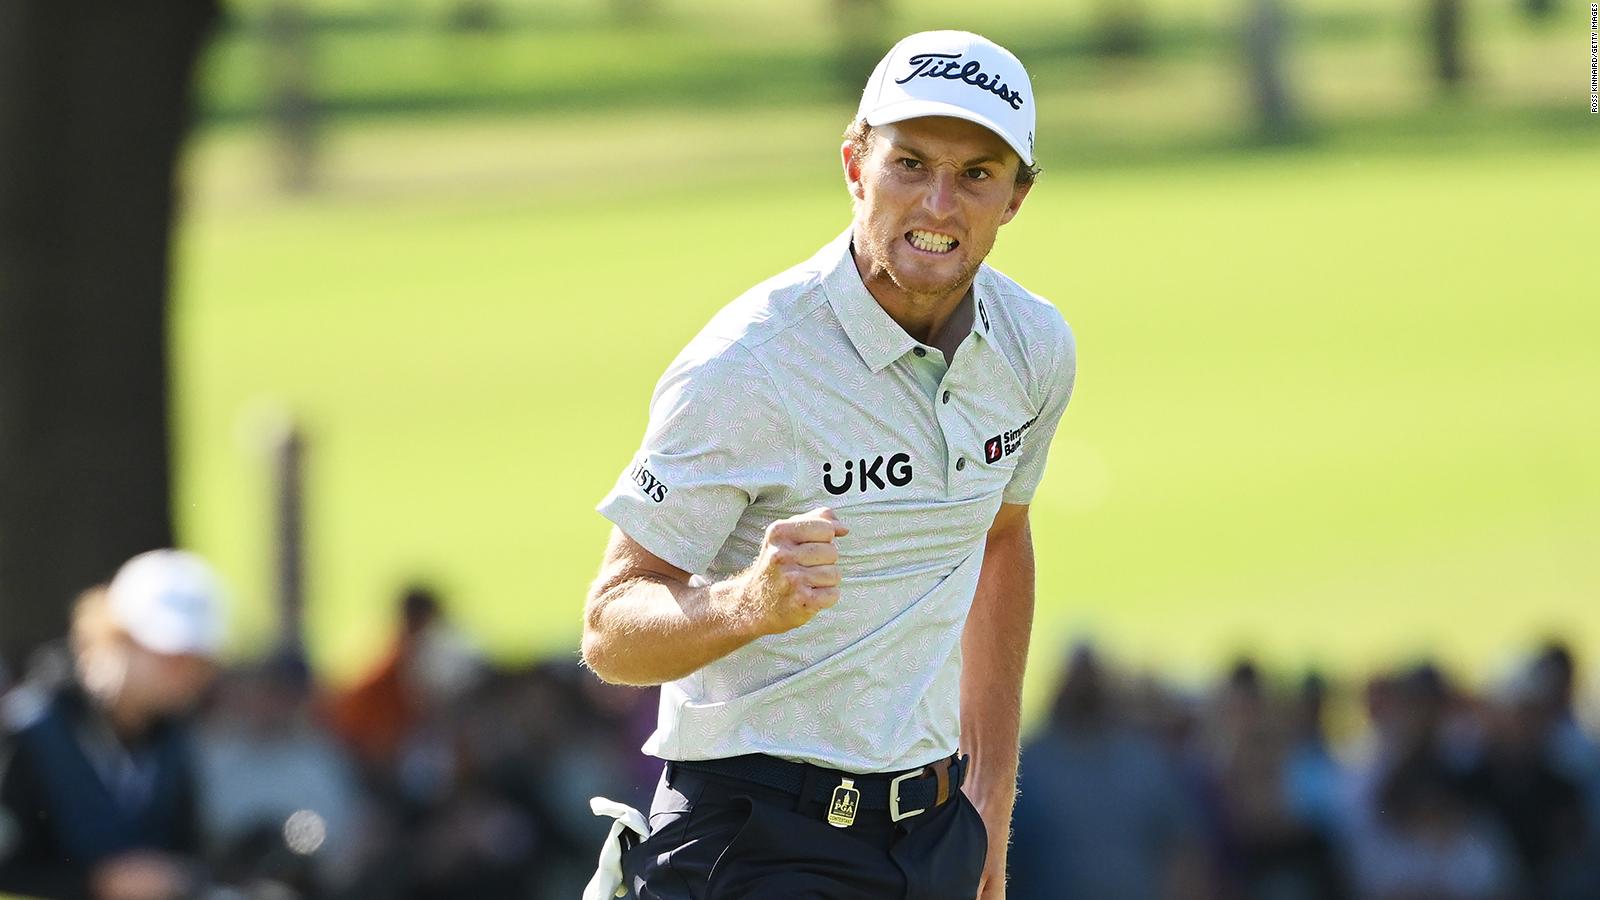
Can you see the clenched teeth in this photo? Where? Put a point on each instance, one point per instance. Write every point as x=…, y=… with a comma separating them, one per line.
x=931, y=241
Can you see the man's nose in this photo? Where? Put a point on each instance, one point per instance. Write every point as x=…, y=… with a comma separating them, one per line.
x=940, y=198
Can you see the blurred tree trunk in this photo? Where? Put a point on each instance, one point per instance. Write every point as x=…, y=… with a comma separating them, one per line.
x=94, y=98
x=1266, y=36
x=1539, y=9
x=1444, y=40
x=635, y=12
x=474, y=16
x=293, y=108
x=289, y=528
x=1121, y=28
x=863, y=40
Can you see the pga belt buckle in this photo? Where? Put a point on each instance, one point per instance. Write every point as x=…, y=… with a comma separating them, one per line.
x=846, y=800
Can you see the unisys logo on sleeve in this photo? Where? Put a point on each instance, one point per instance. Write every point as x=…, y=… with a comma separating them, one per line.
x=951, y=66
x=647, y=481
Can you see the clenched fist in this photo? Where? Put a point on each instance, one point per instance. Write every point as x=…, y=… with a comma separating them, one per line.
x=796, y=575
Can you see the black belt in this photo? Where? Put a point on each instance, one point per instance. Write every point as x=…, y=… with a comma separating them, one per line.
x=903, y=794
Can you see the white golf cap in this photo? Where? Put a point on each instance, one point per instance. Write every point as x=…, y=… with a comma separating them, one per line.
x=169, y=601
x=953, y=73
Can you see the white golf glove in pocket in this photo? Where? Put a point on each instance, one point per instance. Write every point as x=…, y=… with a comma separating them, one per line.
x=607, y=881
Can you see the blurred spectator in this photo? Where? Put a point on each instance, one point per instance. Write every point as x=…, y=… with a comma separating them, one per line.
x=1414, y=827
x=1552, y=680
x=1314, y=778
x=496, y=800
x=428, y=666
x=484, y=776
x=1543, y=809
x=464, y=774
x=1428, y=840
x=1100, y=812
x=96, y=785
x=279, y=798
x=376, y=714
x=1273, y=843
x=1409, y=714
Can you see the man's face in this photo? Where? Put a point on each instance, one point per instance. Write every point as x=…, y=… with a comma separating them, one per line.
x=931, y=194
x=168, y=684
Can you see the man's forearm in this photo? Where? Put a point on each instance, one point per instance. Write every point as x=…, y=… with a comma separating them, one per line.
x=994, y=650
x=646, y=623
x=646, y=631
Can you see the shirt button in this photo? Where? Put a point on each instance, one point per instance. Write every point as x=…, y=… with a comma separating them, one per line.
x=919, y=351
x=961, y=463
x=947, y=396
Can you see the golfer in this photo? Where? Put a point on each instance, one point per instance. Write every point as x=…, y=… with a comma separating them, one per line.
x=822, y=551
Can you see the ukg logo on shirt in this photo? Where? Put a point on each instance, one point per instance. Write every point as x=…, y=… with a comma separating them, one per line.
x=879, y=472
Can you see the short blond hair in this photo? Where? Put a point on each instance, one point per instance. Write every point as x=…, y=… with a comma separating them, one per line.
x=93, y=624
x=99, y=642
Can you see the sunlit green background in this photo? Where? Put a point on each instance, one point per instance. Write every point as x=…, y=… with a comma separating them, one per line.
x=1336, y=400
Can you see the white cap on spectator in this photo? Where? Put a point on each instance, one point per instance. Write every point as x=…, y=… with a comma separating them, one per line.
x=170, y=602
x=953, y=73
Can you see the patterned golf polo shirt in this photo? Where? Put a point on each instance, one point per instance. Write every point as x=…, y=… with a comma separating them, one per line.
x=804, y=393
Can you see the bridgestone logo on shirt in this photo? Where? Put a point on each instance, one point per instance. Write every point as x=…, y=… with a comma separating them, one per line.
x=647, y=482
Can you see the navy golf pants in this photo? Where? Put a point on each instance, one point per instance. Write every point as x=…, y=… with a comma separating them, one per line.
x=715, y=839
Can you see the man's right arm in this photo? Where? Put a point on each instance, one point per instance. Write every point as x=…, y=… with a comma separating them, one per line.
x=644, y=624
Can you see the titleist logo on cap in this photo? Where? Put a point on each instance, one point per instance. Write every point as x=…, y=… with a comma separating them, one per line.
x=949, y=65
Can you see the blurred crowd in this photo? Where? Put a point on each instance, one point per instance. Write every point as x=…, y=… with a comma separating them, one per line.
x=134, y=767
x=1434, y=792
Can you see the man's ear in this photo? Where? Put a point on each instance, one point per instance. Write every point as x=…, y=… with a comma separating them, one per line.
x=1018, y=194
x=852, y=170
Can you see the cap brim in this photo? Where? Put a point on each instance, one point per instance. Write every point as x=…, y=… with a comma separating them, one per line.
x=917, y=109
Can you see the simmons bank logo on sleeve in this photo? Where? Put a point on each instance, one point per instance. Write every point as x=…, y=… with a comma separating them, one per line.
x=647, y=482
x=1006, y=443
x=949, y=65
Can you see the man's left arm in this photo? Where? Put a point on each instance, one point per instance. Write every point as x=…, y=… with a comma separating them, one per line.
x=994, y=650
x=994, y=645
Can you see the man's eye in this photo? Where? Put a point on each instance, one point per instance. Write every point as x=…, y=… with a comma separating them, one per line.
x=910, y=163
x=977, y=174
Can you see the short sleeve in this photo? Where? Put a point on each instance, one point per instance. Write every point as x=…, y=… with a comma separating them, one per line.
x=719, y=437
x=1036, y=445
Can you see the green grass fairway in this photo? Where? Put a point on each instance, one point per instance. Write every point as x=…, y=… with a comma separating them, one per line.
x=1333, y=406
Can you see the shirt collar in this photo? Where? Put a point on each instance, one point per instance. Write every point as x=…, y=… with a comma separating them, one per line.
x=877, y=337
